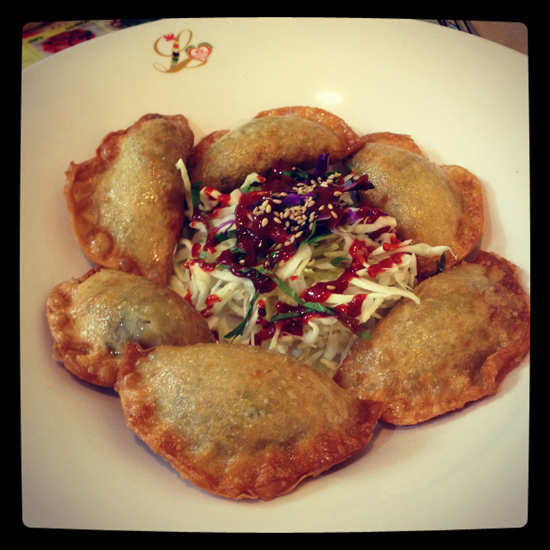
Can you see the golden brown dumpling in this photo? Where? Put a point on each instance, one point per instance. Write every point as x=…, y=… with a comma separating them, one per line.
x=240, y=421
x=469, y=331
x=297, y=135
x=92, y=318
x=127, y=202
x=436, y=205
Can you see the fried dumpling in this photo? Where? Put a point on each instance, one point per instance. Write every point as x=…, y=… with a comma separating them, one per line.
x=297, y=135
x=240, y=421
x=92, y=318
x=471, y=328
x=127, y=202
x=436, y=205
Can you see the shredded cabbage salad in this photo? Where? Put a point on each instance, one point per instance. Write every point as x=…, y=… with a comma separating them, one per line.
x=297, y=262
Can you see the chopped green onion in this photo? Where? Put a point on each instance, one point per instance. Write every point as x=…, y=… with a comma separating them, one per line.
x=231, y=234
x=316, y=236
x=320, y=308
x=251, y=188
x=288, y=315
x=239, y=329
x=296, y=175
x=195, y=193
x=250, y=183
x=338, y=260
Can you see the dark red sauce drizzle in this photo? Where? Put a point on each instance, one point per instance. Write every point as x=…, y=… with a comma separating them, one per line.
x=269, y=236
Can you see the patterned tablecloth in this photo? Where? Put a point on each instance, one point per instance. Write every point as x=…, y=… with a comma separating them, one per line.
x=44, y=38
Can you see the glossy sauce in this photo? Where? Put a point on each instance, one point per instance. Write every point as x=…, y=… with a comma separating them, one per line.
x=271, y=223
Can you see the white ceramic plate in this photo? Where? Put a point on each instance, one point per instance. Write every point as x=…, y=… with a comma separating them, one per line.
x=463, y=99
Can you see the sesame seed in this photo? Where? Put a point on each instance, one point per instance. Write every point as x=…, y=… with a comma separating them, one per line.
x=330, y=206
x=277, y=220
x=268, y=208
x=264, y=222
x=334, y=214
x=331, y=287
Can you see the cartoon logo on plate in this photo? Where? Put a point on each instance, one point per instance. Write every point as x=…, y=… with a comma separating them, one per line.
x=169, y=45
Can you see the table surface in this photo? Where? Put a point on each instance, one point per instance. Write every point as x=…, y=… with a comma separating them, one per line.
x=43, y=38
